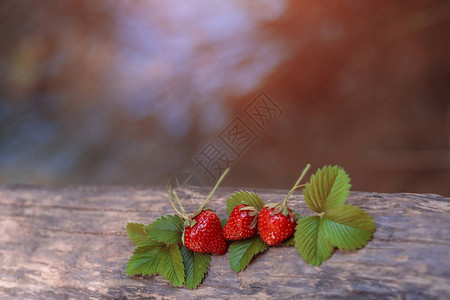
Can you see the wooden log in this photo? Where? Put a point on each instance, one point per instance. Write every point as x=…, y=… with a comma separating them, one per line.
x=70, y=242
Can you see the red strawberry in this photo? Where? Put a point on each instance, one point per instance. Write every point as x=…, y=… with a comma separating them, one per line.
x=206, y=235
x=276, y=221
x=242, y=223
x=276, y=224
x=203, y=231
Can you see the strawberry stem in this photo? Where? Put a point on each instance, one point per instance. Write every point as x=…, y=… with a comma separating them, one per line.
x=296, y=185
x=299, y=186
x=179, y=202
x=183, y=216
x=212, y=192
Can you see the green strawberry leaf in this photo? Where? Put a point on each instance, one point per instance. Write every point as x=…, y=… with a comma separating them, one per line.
x=171, y=264
x=162, y=259
x=311, y=240
x=344, y=226
x=144, y=261
x=242, y=252
x=348, y=227
x=289, y=242
x=244, y=197
x=166, y=229
x=195, y=265
x=223, y=222
x=137, y=235
x=327, y=189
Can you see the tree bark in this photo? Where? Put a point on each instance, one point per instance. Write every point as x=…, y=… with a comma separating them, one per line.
x=70, y=242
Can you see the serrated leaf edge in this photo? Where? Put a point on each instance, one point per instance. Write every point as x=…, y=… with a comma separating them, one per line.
x=147, y=260
x=241, y=265
x=247, y=199
x=176, y=263
x=317, y=197
x=362, y=243
x=145, y=240
x=299, y=239
x=170, y=218
x=206, y=256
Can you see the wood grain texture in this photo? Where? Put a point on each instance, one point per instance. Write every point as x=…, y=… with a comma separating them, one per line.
x=71, y=243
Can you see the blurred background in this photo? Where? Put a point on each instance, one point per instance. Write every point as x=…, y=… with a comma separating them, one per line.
x=134, y=92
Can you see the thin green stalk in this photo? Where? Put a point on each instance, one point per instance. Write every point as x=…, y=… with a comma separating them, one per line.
x=179, y=201
x=299, y=186
x=296, y=185
x=173, y=205
x=212, y=192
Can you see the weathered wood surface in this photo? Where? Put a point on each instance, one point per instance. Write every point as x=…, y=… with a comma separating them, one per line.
x=71, y=243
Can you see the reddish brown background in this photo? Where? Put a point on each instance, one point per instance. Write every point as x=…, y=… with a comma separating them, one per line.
x=100, y=92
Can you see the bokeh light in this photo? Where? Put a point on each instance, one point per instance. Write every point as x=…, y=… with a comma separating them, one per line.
x=128, y=92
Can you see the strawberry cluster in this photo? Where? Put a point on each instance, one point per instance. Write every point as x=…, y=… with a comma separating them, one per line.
x=203, y=232
x=179, y=246
x=275, y=222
